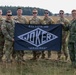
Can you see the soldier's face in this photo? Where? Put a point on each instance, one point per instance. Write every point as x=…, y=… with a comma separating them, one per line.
x=19, y=12
x=74, y=14
x=46, y=14
x=61, y=14
x=34, y=14
x=9, y=16
x=0, y=12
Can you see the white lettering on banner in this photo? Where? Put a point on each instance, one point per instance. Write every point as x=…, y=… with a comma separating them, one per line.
x=37, y=37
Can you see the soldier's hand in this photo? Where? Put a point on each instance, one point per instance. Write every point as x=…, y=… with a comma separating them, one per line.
x=62, y=23
x=13, y=40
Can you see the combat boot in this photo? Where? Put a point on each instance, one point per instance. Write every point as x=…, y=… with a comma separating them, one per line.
x=34, y=56
x=43, y=55
x=49, y=54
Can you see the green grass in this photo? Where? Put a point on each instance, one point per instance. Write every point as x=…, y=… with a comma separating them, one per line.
x=40, y=67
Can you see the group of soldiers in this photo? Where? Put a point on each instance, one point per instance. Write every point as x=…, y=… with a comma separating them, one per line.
x=7, y=25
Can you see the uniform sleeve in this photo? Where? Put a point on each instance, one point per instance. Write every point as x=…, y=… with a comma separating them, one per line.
x=16, y=20
x=26, y=21
x=66, y=25
x=52, y=21
x=5, y=32
x=57, y=22
x=41, y=21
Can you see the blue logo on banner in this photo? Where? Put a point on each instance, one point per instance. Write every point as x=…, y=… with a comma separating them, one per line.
x=37, y=37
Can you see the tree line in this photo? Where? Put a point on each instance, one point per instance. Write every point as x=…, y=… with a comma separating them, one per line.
x=26, y=10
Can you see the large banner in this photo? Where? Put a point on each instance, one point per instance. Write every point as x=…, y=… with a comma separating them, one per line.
x=38, y=37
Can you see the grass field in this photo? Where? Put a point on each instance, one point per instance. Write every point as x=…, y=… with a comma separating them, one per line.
x=38, y=67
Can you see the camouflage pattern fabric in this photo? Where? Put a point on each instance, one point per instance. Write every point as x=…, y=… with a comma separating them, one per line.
x=8, y=32
x=1, y=40
x=20, y=54
x=72, y=41
x=65, y=23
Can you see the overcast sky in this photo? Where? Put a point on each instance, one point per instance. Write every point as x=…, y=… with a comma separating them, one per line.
x=52, y=5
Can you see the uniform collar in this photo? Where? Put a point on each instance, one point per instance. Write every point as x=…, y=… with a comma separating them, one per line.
x=34, y=18
x=8, y=20
x=0, y=18
x=19, y=16
x=46, y=18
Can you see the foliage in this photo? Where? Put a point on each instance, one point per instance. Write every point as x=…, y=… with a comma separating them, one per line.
x=26, y=10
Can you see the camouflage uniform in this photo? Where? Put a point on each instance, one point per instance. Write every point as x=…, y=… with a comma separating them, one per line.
x=72, y=41
x=65, y=22
x=20, y=19
x=8, y=32
x=45, y=21
x=1, y=40
x=23, y=20
x=35, y=20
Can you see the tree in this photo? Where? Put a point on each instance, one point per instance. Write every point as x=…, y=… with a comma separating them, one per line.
x=26, y=10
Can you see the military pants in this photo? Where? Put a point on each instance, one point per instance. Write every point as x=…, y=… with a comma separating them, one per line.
x=36, y=54
x=49, y=54
x=19, y=55
x=63, y=49
x=43, y=54
x=72, y=51
x=1, y=46
x=8, y=49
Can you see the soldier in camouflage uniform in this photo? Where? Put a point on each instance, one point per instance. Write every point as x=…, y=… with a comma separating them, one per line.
x=46, y=20
x=8, y=32
x=20, y=19
x=35, y=20
x=72, y=39
x=1, y=37
x=64, y=22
